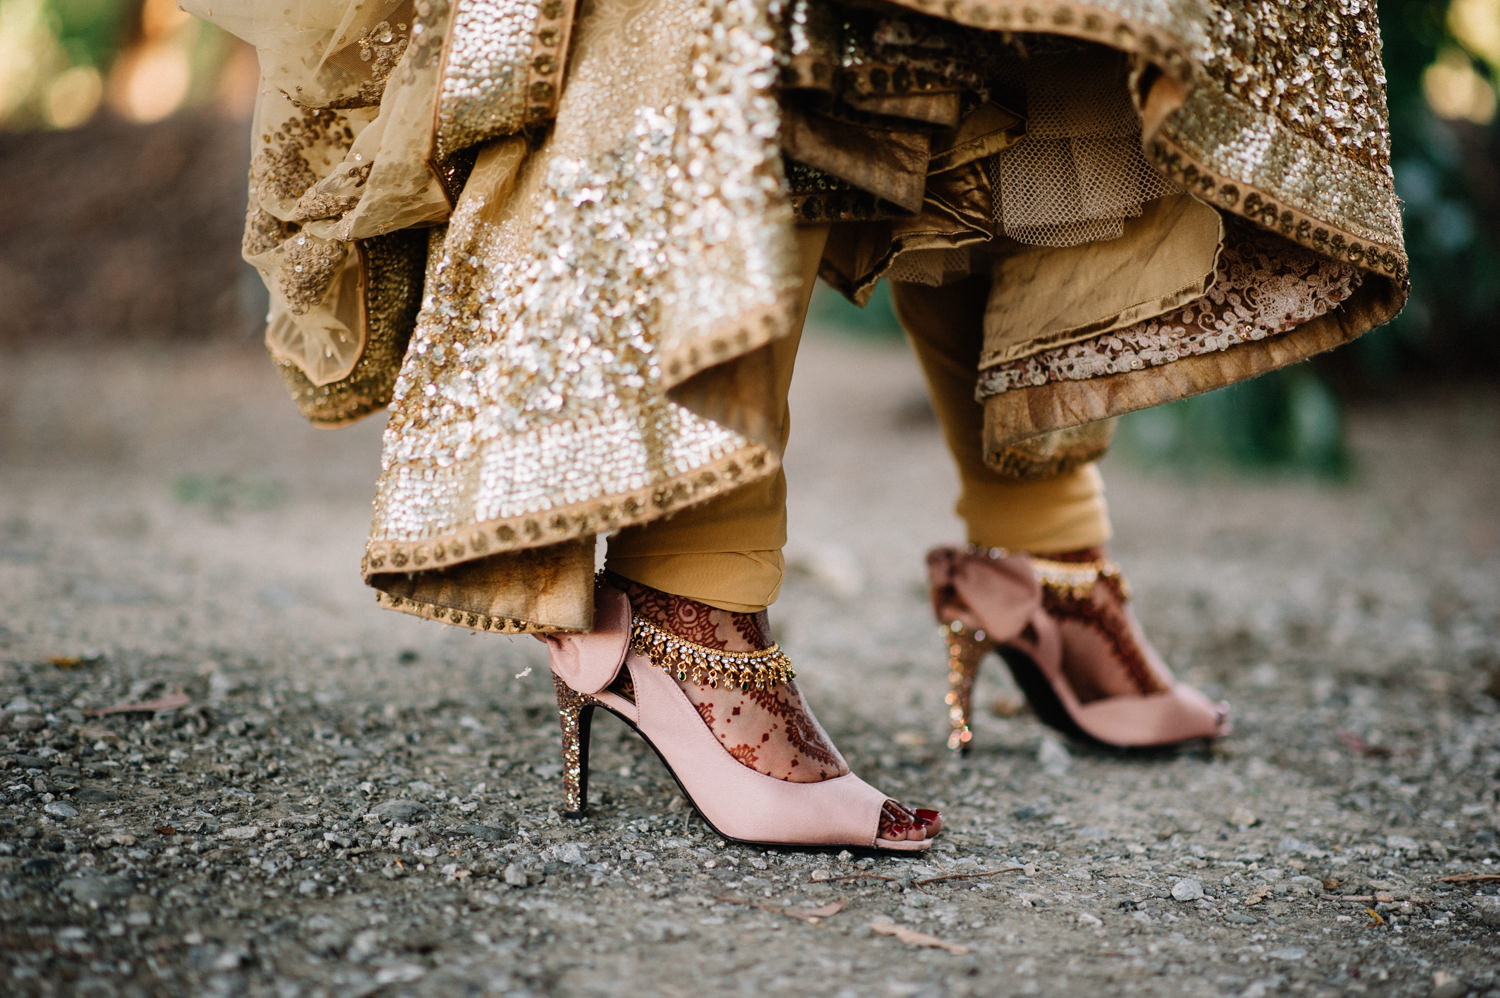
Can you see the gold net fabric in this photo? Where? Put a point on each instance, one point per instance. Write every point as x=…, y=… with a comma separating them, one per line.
x=1079, y=170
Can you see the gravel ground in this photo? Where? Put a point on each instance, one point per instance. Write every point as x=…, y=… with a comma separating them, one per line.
x=329, y=799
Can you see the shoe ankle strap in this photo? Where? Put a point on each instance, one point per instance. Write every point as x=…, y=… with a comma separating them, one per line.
x=689, y=661
x=1071, y=579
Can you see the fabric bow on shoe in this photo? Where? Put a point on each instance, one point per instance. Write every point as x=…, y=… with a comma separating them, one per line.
x=589, y=662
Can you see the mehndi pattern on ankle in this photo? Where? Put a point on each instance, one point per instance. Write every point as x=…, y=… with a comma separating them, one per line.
x=688, y=661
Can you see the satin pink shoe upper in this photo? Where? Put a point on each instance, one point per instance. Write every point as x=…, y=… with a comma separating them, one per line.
x=740, y=803
x=1002, y=596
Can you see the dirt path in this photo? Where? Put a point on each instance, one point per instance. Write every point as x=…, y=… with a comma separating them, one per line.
x=353, y=802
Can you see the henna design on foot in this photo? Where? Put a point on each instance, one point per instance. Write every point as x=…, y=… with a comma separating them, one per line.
x=770, y=731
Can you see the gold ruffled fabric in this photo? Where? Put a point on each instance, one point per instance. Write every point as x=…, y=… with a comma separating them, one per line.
x=1268, y=113
x=363, y=133
x=528, y=229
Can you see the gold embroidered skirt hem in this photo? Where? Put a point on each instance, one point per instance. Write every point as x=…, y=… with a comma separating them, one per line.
x=603, y=210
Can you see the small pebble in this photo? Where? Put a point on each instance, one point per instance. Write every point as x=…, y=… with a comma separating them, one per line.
x=400, y=812
x=1446, y=985
x=1188, y=889
x=1243, y=817
x=1053, y=757
x=1487, y=907
x=95, y=890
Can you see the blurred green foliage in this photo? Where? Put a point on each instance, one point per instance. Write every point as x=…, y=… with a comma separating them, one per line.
x=90, y=32
x=1448, y=173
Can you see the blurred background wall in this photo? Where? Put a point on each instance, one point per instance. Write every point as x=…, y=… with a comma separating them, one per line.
x=123, y=145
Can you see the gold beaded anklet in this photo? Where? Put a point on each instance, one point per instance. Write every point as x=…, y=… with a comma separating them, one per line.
x=1073, y=579
x=1076, y=579
x=687, y=660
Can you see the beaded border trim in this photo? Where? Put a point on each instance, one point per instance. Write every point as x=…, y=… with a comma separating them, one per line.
x=566, y=523
x=500, y=75
x=689, y=661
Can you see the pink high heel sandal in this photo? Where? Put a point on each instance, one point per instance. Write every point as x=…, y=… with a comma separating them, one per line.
x=621, y=666
x=1059, y=625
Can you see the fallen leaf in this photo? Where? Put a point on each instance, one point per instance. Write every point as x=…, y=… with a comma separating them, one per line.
x=1259, y=894
x=1359, y=746
x=1469, y=878
x=1329, y=885
x=912, y=937
x=857, y=876
x=1375, y=918
x=967, y=876
x=67, y=661
x=169, y=702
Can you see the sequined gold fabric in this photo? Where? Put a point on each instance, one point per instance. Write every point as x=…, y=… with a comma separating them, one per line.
x=390, y=284
x=502, y=70
x=1262, y=287
x=572, y=290
x=594, y=205
x=1274, y=111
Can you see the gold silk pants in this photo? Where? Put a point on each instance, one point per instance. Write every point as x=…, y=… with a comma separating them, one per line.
x=728, y=552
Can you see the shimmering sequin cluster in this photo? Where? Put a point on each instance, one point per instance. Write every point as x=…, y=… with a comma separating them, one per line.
x=574, y=713
x=391, y=284
x=503, y=70
x=533, y=404
x=966, y=649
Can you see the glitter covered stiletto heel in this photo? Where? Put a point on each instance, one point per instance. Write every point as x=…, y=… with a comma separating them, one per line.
x=1063, y=628
x=622, y=666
